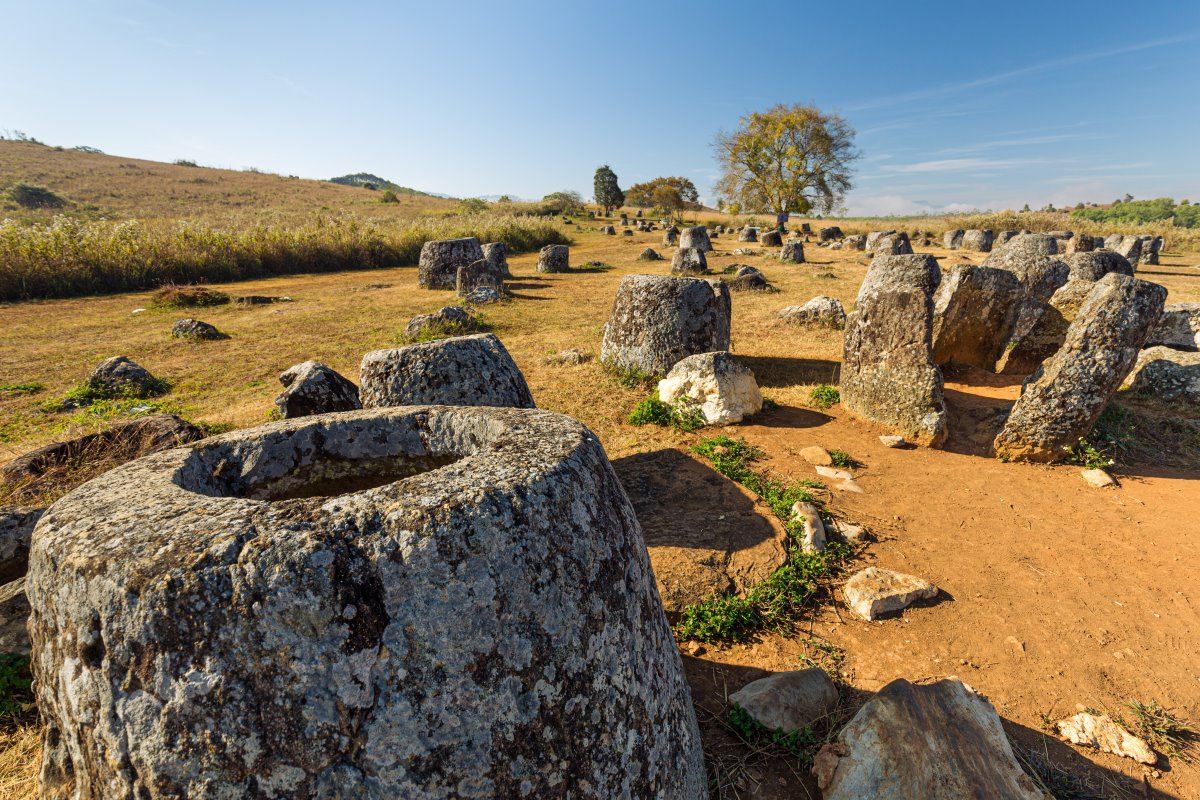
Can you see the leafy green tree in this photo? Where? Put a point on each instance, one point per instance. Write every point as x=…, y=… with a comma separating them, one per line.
x=788, y=158
x=565, y=202
x=669, y=194
x=606, y=189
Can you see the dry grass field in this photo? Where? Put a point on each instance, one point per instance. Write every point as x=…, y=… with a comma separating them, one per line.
x=1054, y=594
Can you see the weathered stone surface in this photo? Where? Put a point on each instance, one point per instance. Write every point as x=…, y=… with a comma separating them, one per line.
x=16, y=528
x=1101, y=732
x=816, y=455
x=893, y=244
x=716, y=384
x=1167, y=374
x=979, y=241
x=1026, y=352
x=440, y=260
x=649, y=254
x=1086, y=265
x=554, y=258
x=569, y=358
x=1031, y=258
x=14, y=619
x=478, y=275
x=792, y=252
x=196, y=330
x=313, y=388
x=1113, y=241
x=1131, y=248
x=973, y=312
x=126, y=439
x=496, y=254
x=461, y=371
x=813, y=538
x=874, y=236
x=830, y=233
x=120, y=376
x=940, y=741
x=1023, y=246
x=888, y=374
x=821, y=311
x=695, y=237
x=1098, y=478
x=1179, y=327
x=670, y=236
x=376, y=604
x=750, y=279
x=1060, y=402
x=482, y=295
x=748, y=234
x=1003, y=237
x=1081, y=244
x=856, y=241
x=788, y=701
x=689, y=261
x=952, y=240
x=448, y=317
x=892, y=440
x=657, y=320
x=771, y=239
x=873, y=592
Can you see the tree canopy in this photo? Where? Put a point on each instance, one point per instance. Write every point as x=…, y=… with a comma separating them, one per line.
x=669, y=194
x=565, y=202
x=789, y=158
x=606, y=189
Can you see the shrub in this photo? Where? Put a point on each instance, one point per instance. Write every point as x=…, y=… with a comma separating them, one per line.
x=185, y=162
x=28, y=196
x=176, y=296
x=388, y=196
x=842, y=459
x=824, y=396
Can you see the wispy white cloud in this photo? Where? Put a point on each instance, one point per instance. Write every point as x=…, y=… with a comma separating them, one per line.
x=963, y=164
x=1021, y=72
x=1023, y=141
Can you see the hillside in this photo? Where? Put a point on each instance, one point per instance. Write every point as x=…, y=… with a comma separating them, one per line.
x=98, y=185
x=367, y=180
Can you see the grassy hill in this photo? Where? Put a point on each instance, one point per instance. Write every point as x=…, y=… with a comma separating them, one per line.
x=96, y=185
x=366, y=180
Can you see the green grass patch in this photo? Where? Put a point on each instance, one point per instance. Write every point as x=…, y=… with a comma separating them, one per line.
x=631, y=377
x=86, y=395
x=776, y=602
x=15, y=682
x=15, y=389
x=824, y=396
x=681, y=416
x=445, y=330
x=176, y=296
x=843, y=460
x=797, y=743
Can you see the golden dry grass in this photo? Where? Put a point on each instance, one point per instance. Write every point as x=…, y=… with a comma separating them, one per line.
x=20, y=750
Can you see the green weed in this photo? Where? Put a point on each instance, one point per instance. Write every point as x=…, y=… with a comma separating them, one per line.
x=824, y=396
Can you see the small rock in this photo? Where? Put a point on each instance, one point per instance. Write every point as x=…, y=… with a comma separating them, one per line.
x=310, y=387
x=892, y=440
x=120, y=376
x=138, y=311
x=569, y=358
x=1101, y=732
x=833, y=473
x=261, y=300
x=818, y=456
x=873, y=592
x=850, y=532
x=719, y=386
x=483, y=295
x=814, y=528
x=1098, y=478
x=196, y=330
x=788, y=701
x=848, y=485
x=448, y=317
x=650, y=254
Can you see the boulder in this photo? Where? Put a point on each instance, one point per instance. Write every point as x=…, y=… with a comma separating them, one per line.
x=1087, y=265
x=1168, y=375
x=1031, y=258
x=689, y=261
x=649, y=254
x=873, y=592
x=1081, y=244
x=875, y=236
x=805, y=228
x=893, y=244
x=1003, y=237
x=658, y=320
x=117, y=443
x=1060, y=402
x=888, y=374
x=670, y=236
x=482, y=295
x=749, y=279
x=979, y=241
x=313, y=388
x=1022, y=247
x=856, y=241
x=716, y=384
x=939, y=741
x=695, y=237
x=1102, y=733
x=16, y=528
x=792, y=252
x=448, y=319
x=788, y=701
x=195, y=330
x=952, y=240
x=120, y=377
x=1131, y=248
x=477, y=275
x=745, y=251
x=394, y=603
x=627, y=232
x=1025, y=353
x=973, y=312
x=771, y=239
x=748, y=234
x=1179, y=327
x=440, y=260
x=1113, y=241
x=14, y=620
x=830, y=233
x=608, y=230
x=460, y=371
x=554, y=258
x=822, y=311
x=496, y=254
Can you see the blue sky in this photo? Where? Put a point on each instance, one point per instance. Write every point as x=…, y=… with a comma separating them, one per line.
x=957, y=105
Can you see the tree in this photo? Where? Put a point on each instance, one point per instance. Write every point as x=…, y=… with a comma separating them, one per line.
x=669, y=194
x=566, y=202
x=607, y=192
x=789, y=158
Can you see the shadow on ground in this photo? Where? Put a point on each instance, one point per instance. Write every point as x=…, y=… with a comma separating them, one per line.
x=771, y=371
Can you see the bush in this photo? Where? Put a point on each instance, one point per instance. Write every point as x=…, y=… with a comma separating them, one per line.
x=175, y=296
x=185, y=162
x=824, y=396
x=69, y=257
x=28, y=196
x=388, y=196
